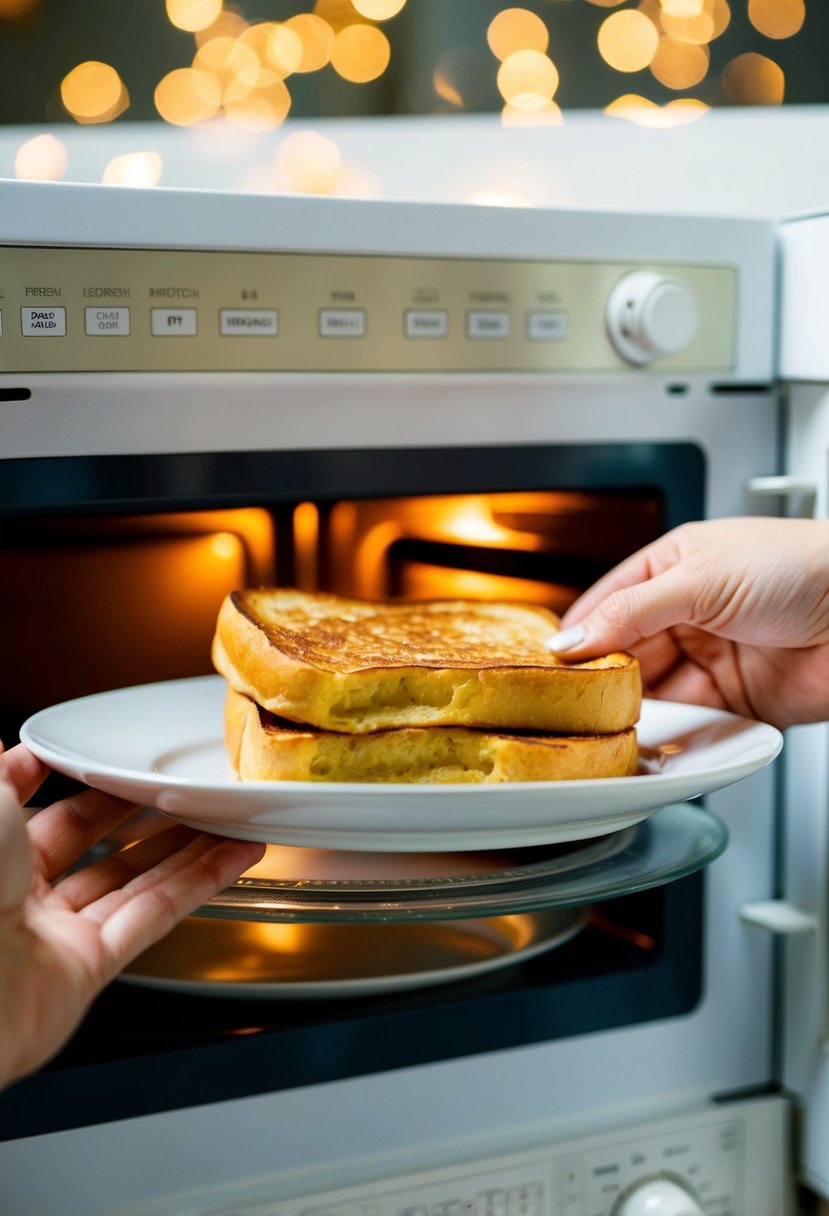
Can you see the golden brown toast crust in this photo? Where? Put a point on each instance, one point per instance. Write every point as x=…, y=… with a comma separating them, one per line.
x=358, y=666
x=349, y=636
x=263, y=747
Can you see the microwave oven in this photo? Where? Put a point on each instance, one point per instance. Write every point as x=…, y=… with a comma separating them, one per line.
x=200, y=390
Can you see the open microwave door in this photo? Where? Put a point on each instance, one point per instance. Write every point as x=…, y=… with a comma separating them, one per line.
x=804, y=851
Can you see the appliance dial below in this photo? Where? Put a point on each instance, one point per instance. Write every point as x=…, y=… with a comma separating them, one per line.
x=649, y=314
x=658, y=1197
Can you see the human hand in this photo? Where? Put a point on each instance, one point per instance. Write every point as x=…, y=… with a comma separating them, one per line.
x=62, y=939
x=730, y=613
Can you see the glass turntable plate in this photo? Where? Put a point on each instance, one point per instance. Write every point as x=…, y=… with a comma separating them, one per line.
x=313, y=961
x=161, y=745
x=309, y=885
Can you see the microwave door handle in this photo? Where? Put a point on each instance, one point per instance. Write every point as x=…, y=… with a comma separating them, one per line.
x=779, y=917
x=799, y=493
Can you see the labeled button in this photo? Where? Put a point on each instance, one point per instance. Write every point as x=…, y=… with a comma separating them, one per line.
x=426, y=323
x=546, y=326
x=342, y=322
x=525, y=1200
x=107, y=321
x=492, y=1203
x=487, y=324
x=173, y=322
x=43, y=322
x=248, y=322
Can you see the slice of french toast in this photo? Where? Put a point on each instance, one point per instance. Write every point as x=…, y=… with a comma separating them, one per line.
x=358, y=666
x=263, y=747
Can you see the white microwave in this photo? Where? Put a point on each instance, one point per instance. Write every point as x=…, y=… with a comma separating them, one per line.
x=335, y=385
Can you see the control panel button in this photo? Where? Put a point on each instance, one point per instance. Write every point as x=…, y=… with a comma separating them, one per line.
x=43, y=322
x=248, y=322
x=342, y=322
x=527, y=1200
x=173, y=322
x=487, y=324
x=492, y=1203
x=659, y=1197
x=649, y=314
x=426, y=323
x=546, y=326
x=106, y=321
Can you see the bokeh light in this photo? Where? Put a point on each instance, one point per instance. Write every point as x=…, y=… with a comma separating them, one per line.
x=753, y=80
x=242, y=62
x=187, y=96
x=193, y=15
x=228, y=24
x=686, y=109
x=446, y=89
x=516, y=29
x=317, y=39
x=232, y=63
x=720, y=12
x=378, y=10
x=628, y=40
x=679, y=65
x=336, y=13
x=261, y=110
x=256, y=39
x=284, y=48
x=637, y=109
x=682, y=8
x=309, y=163
x=93, y=92
x=527, y=80
x=547, y=115
x=777, y=18
x=646, y=113
x=41, y=159
x=360, y=53
x=139, y=169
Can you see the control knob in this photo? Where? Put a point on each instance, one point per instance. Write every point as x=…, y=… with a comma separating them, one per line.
x=658, y=1197
x=650, y=314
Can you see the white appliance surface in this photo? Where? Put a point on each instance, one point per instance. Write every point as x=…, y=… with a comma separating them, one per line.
x=804, y=361
x=384, y=1147
x=767, y=163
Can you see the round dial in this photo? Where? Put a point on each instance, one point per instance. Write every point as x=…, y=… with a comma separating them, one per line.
x=658, y=1197
x=649, y=314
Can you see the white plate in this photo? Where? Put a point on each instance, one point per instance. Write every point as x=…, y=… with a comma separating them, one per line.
x=161, y=745
x=325, y=961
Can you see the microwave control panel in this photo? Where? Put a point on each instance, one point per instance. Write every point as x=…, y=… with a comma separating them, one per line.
x=145, y=310
x=720, y=1161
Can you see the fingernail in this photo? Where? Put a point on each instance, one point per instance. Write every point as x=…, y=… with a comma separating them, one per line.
x=566, y=639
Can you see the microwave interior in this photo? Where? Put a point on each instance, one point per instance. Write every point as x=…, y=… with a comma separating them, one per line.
x=118, y=566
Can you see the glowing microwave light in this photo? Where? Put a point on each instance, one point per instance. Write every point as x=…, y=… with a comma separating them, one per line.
x=475, y=524
x=225, y=546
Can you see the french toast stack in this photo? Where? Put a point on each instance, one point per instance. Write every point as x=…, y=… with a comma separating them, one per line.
x=323, y=688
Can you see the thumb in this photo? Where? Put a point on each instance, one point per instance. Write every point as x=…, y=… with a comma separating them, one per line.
x=628, y=615
x=15, y=851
